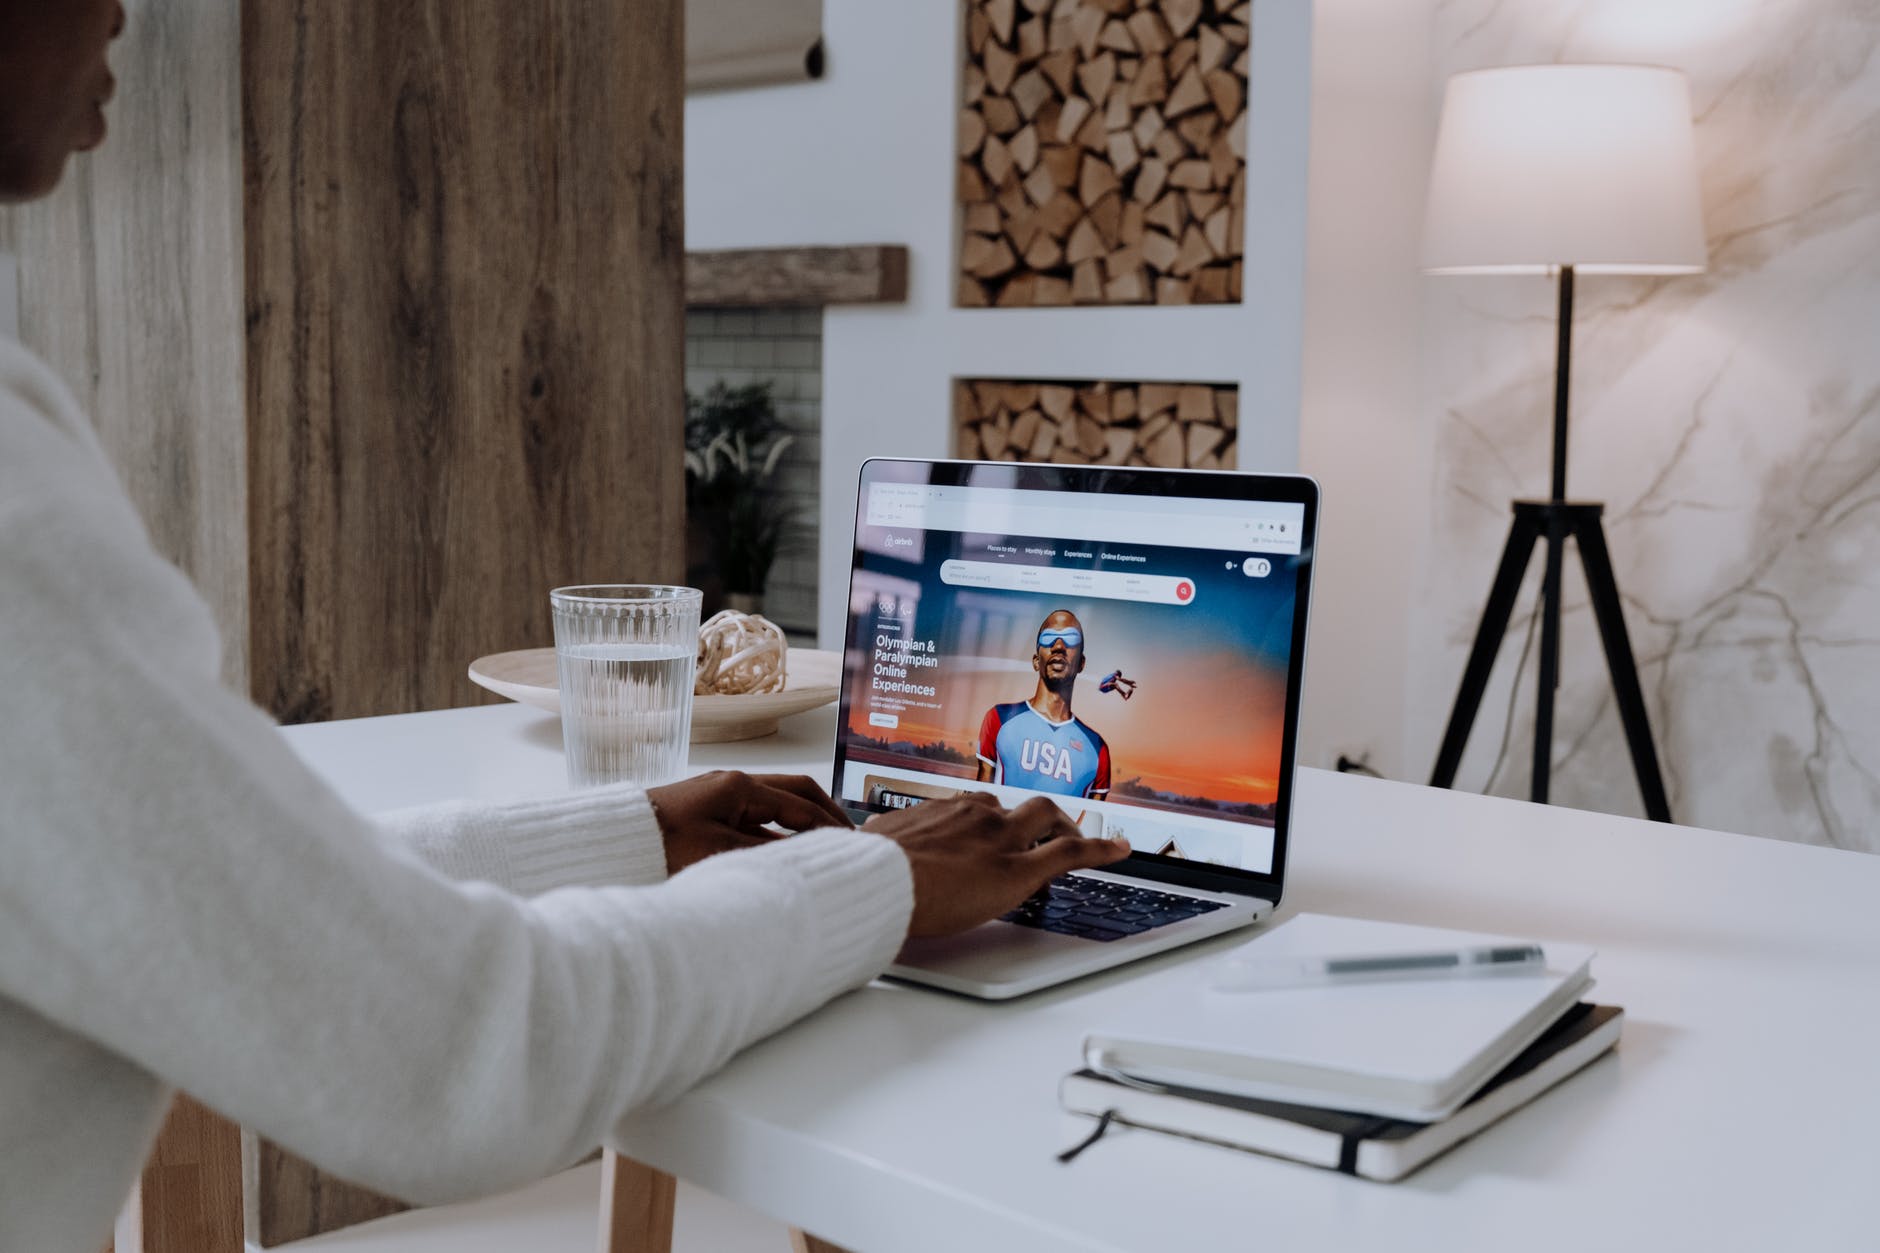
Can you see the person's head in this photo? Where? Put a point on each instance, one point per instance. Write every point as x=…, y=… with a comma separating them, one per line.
x=1060, y=654
x=53, y=85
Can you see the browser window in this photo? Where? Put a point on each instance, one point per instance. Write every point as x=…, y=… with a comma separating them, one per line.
x=1126, y=655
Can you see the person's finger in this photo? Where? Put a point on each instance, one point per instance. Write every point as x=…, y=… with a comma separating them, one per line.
x=981, y=798
x=1077, y=852
x=801, y=785
x=1039, y=819
x=767, y=803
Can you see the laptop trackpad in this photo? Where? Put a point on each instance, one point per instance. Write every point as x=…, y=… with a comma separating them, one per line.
x=992, y=951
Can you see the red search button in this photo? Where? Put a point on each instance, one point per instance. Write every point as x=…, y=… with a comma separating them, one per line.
x=1184, y=591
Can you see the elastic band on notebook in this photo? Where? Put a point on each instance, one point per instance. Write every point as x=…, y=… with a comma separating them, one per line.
x=1103, y=1125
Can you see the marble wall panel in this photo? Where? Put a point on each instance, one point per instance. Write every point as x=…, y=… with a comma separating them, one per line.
x=1730, y=421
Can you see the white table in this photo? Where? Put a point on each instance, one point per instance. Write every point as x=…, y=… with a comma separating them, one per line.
x=1741, y=1111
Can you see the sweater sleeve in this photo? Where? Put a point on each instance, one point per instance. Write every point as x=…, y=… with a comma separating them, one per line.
x=605, y=835
x=179, y=888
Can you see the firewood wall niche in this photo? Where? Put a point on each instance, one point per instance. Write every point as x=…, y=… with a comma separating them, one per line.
x=1102, y=152
x=1169, y=425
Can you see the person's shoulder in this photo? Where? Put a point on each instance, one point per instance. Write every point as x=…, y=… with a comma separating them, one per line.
x=1096, y=740
x=1004, y=713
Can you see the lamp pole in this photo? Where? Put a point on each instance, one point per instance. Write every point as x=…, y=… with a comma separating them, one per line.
x=1549, y=678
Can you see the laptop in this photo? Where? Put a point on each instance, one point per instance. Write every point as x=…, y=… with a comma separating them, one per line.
x=1129, y=642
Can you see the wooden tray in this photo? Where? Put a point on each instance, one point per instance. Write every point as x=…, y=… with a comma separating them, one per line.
x=528, y=675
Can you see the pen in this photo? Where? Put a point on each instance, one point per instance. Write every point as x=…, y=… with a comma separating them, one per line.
x=1252, y=974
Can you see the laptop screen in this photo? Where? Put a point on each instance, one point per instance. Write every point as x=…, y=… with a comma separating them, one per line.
x=1127, y=642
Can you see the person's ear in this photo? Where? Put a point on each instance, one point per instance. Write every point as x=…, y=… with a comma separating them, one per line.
x=1082, y=661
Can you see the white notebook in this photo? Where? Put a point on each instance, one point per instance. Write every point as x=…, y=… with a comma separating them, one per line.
x=1408, y=1049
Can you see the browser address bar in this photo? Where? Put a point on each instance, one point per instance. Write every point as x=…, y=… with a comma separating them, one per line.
x=1251, y=529
x=1157, y=589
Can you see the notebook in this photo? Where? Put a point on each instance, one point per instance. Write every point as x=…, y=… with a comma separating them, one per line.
x=1126, y=641
x=1384, y=1149
x=1414, y=1050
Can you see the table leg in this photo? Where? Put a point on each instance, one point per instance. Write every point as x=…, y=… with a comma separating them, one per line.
x=636, y=1206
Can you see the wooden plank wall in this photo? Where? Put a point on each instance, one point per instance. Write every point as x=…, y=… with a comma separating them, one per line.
x=465, y=278
x=465, y=300
x=131, y=286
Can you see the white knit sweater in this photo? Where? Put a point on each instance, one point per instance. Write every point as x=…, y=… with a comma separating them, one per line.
x=446, y=1003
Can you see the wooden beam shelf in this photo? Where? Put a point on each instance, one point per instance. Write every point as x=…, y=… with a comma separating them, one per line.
x=768, y=277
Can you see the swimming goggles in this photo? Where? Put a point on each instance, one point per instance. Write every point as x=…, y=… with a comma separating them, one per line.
x=1072, y=637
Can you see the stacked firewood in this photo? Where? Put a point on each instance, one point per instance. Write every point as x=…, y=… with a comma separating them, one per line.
x=1103, y=145
x=1169, y=425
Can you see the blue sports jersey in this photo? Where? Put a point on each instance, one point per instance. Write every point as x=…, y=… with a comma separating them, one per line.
x=1028, y=750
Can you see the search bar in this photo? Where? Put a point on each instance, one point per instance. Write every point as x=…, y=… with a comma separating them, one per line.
x=1157, y=589
x=1236, y=526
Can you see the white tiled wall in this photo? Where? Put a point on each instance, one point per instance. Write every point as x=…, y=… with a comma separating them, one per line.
x=782, y=347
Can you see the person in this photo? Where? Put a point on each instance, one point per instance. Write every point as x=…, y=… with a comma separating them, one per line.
x=1038, y=743
x=438, y=1005
x=1115, y=682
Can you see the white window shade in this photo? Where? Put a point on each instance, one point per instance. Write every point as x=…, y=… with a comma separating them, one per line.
x=748, y=43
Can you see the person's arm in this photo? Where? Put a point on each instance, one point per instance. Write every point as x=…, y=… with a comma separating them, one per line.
x=179, y=889
x=606, y=835
x=989, y=746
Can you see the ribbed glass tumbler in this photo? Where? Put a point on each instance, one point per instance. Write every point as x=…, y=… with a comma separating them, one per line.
x=626, y=653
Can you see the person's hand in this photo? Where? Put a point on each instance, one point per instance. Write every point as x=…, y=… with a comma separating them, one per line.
x=973, y=860
x=725, y=810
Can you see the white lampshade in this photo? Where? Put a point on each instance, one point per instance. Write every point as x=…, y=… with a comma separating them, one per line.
x=1539, y=166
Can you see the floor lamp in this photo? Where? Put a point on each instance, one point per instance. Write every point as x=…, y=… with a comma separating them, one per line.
x=1563, y=170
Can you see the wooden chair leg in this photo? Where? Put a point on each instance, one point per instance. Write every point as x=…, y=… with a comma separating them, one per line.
x=804, y=1242
x=636, y=1206
x=189, y=1199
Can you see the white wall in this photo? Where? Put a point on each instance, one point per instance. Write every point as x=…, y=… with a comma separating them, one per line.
x=9, y=295
x=1363, y=433
x=867, y=156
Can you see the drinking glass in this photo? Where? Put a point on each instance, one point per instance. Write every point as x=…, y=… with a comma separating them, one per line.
x=625, y=653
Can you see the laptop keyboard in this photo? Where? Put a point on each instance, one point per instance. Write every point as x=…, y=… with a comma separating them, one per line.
x=1103, y=909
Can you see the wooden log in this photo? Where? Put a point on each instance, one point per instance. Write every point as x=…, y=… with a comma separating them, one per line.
x=972, y=131
x=1093, y=135
x=1123, y=405
x=1241, y=63
x=974, y=87
x=1061, y=68
x=1000, y=113
x=1044, y=253
x=1170, y=290
x=1095, y=401
x=1123, y=154
x=1024, y=148
x=1235, y=34
x=966, y=444
x=1025, y=428
x=1212, y=49
x=1096, y=76
x=1150, y=86
x=1150, y=32
x=1147, y=126
x=1031, y=39
x=1168, y=214
x=1042, y=442
x=1169, y=146
x=1087, y=25
x=1062, y=161
x=1117, y=111
x=1029, y=92
x=995, y=158
x=1129, y=229
x=965, y=404
x=1181, y=15
x=1076, y=109
x=1211, y=285
x=1001, y=68
x=1012, y=200
x=1157, y=397
x=1085, y=243
x=969, y=184
x=1122, y=261
x=1020, y=396
x=1194, y=402
x=1095, y=181
x=975, y=252
x=809, y=275
x=990, y=395
x=1056, y=400
x=978, y=32
x=1194, y=254
x=1052, y=290
x=1223, y=165
x=982, y=218
x=1198, y=130
x=1159, y=251
x=1117, y=38
x=1214, y=230
x=1202, y=441
x=1227, y=407
x=1192, y=174
x=1090, y=436
x=1165, y=449
x=998, y=259
x=1125, y=288
x=1120, y=442
x=1106, y=217
x=1059, y=214
x=1224, y=89
x=1150, y=180
x=1237, y=136
x=1040, y=187
x=996, y=436
x=1001, y=14
x=1087, y=283
x=1152, y=428
x=1202, y=204
x=1187, y=95
x=1180, y=56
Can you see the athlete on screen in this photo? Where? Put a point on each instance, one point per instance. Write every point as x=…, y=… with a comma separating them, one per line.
x=1038, y=743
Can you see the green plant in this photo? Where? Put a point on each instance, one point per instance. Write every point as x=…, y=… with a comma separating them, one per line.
x=733, y=442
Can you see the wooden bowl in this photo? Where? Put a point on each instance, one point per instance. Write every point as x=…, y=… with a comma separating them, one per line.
x=814, y=679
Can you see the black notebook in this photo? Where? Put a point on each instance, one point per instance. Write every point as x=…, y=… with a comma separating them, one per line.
x=1373, y=1147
